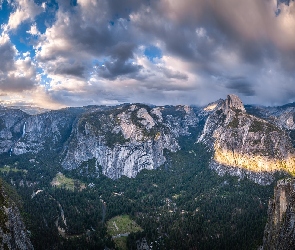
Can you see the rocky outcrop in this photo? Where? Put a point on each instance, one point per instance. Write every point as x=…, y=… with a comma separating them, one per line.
x=11, y=123
x=13, y=234
x=125, y=140
x=283, y=116
x=244, y=145
x=233, y=102
x=47, y=131
x=279, y=232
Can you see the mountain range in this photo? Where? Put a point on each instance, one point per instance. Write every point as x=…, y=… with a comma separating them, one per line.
x=88, y=144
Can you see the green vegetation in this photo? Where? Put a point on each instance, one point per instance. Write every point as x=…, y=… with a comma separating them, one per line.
x=260, y=126
x=89, y=168
x=221, y=116
x=181, y=205
x=122, y=225
x=257, y=126
x=61, y=181
x=8, y=198
x=3, y=215
x=121, y=243
x=7, y=168
x=234, y=123
x=111, y=139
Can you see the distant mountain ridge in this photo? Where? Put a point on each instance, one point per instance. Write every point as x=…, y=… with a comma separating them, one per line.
x=123, y=140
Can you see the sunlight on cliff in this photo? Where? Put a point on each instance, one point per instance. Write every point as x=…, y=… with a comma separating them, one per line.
x=254, y=163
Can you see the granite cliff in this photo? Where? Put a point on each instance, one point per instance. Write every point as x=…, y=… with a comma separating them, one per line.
x=13, y=234
x=245, y=145
x=279, y=232
x=124, y=139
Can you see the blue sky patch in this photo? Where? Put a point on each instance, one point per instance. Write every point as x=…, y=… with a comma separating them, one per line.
x=152, y=52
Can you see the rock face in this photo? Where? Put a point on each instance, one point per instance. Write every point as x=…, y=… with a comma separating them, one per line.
x=122, y=140
x=13, y=234
x=127, y=140
x=244, y=145
x=45, y=131
x=11, y=122
x=279, y=232
x=283, y=116
x=233, y=102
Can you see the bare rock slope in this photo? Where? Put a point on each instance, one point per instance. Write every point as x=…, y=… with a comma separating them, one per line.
x=279, y=232
x=13, y=234
x=244, y=145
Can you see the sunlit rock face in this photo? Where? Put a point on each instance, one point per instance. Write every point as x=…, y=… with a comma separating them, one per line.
x=246, y=146
x=279, y=233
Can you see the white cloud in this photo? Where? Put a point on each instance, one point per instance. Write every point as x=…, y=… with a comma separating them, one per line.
x=25, y=10
x=209, y=49
x=34, y=30
x=16, y=75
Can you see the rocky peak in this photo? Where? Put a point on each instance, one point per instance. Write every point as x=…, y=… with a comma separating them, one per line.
x=279, y=233
x=233, y=102
x=245, y=145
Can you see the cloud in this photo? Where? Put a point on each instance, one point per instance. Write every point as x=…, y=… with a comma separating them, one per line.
x=34, y=30
x=16, y=75
x=169, y=73
x=100, y=51
x=24, y=10
x=8, y=52
x=241, y=86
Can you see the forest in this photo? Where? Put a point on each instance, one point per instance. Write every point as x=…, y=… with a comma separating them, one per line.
x=181, y=205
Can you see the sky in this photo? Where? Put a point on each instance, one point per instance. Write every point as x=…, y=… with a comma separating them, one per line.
x=59, y=53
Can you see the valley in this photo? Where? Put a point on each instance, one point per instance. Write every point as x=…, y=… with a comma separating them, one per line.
x=174, y=177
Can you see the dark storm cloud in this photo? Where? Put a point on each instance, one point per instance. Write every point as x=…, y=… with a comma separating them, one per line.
x=240, y=85
x=121, y=62
x=287, y=2
x=75, y=69
x=122, y=51
x=16, y=84
x=115, y=68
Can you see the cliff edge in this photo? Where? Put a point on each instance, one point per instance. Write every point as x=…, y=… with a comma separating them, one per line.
x=279, y=232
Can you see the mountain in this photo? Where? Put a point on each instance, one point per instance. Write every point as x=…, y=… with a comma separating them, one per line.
x=245, y=145
x=123, y=140
x=189, y=177
x=127, y=138
x=13, y=234
x=279, y=232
